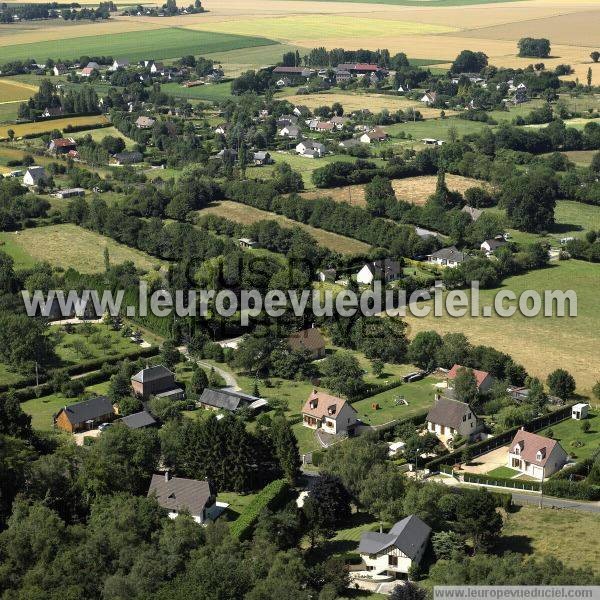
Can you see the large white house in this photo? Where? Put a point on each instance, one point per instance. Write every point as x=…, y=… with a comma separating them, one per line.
x=329, y=413
x=383, y=270
x=395, y=552
x=34, y=176
x=448, y=418
x=535, y=455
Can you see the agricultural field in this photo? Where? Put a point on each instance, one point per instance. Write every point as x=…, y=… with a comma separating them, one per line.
x=294, y=28
x=99, y=134
x=70, y=246
x=412, y=189
x=168, y=42
x=540, y=343
x=572, y=537
x=439, y=129
x=49, y=125
x=578, y=444
x=247, y=215
x=582, y=158
x=15, y=91
x=357, y=101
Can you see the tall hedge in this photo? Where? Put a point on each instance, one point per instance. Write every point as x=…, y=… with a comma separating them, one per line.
x=271, y=496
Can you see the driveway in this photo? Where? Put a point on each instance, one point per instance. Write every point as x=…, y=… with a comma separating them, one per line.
x=80, y=437
x=487, y=462
x=231, y=383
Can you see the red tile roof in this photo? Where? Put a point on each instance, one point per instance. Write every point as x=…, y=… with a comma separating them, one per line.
x=480, y=376
x=321, y=405
x=530, y=444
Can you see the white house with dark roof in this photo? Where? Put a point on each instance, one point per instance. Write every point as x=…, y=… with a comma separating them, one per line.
x=385, y=270
x=448, y=418
x=490, y=246
x=178, y=495
x=448, y=257
x=535, y=455
x=34, y=176
x=331, y=414
x=395, y=552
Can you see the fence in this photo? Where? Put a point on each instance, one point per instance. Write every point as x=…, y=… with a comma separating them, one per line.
x=530, y=486
x=502, y=439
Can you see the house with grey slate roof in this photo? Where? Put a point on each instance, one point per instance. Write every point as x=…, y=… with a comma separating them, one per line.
x=156, y=381
x=448, y=418
x=395, y=552
x=448, y=257
x=85, y=415
x=177, y=495
x=215, y=399
x=138, y=420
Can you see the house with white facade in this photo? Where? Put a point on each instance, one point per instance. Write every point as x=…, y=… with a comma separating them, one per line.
x=34, y=176
x=331, y=414
x=311, y=149
x=448, y=257
x=395, y=552
x=448, y=418
x=385, y=270
x=535, y=455
x=177, y=495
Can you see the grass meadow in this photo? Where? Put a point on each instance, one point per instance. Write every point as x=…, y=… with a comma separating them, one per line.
x=540, y=343
x=241, y=213
x=49, y=125
x=210, y=93
x=70, y=246
x=571, y=536
x=169, y=42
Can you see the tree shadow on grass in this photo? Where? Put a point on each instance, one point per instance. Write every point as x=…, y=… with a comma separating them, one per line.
x=514, y=543
x=566, y=228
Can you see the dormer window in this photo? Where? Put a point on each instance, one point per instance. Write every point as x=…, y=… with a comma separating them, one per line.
x=517, y=449
x=469, y=416
x=314, y=404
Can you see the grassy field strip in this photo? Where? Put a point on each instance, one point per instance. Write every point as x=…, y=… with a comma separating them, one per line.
x=41, y=126
x=540, y=343
x=292, y=28
x=241, y=213
x=15, y=91
x=411, y=189
x=169, y=42
x=70, y=246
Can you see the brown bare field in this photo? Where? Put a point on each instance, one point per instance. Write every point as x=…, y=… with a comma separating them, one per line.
x=374, y=102
x=412, y=189
x=578, y=28
x=581, y=157
x=241, y=213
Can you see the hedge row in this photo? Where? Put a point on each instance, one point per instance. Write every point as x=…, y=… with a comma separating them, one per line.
x=576, y=490
x=272, y=496
x=102, y=372
x=502, y=439
x=534, y=486
x=375, y=388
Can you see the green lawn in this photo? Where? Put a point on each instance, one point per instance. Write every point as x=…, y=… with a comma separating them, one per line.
x=42, y=409
x=435, y=128
x=213, y=92
x=170, y=42
x=568, y=432
x=89, y=342
x=237, y=503
x=572, y=537
x=8, y=244
x=504, y=472
x=419, y=395
x=346, y=538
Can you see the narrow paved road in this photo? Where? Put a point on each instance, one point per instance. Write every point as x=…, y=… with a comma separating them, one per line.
x=531, y=499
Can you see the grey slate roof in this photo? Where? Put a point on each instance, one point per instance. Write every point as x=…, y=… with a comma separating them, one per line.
x=88, y=410
x=387, y=267
x=408, y=535
x=225, y=399
x=152, y=374
x=138, y=420
x=450, y=253
x=449, y=412
x=179, y=494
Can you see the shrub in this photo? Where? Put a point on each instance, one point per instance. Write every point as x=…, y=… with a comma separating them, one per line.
x=570, y=489
x=271, y=496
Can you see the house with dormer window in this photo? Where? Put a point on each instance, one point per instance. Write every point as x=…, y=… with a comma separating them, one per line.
x=394, y=553
x=535, y=455
x=329, y=413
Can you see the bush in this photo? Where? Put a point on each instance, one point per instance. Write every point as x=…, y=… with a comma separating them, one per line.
x=270, y=497
x=570, y=489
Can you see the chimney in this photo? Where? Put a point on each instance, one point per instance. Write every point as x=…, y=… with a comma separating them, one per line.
x=167, y=475
x=380, y=527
